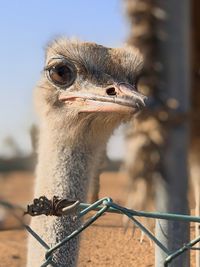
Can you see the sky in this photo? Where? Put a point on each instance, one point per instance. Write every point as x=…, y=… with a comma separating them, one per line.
x=25, y=28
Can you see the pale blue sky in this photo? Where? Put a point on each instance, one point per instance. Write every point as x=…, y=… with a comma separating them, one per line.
x=25, y=28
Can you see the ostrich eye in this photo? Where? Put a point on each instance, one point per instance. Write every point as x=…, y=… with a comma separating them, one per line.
x=62, y=74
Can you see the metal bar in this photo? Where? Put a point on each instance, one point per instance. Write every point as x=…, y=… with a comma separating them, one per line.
x=173, y=88
x=97, y=206
x=181, y=250
x=153, y=215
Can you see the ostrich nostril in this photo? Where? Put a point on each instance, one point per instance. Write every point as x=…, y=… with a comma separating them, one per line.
x=111, y=91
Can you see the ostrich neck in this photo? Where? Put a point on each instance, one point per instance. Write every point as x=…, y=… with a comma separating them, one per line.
x=64, y=169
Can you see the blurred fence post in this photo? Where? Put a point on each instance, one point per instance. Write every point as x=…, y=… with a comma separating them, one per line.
x=195, y=109
x=172, y=186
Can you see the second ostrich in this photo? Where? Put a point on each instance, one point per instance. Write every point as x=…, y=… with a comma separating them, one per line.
x=85, y=92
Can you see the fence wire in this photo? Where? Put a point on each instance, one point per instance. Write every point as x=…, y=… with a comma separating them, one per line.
x=107, y=205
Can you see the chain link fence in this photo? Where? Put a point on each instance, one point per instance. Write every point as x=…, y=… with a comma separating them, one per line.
x=104, y=205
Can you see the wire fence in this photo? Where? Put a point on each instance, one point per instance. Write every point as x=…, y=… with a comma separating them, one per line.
x=104, y=205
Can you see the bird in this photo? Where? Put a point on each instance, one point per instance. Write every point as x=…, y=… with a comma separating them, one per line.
x=86, y=90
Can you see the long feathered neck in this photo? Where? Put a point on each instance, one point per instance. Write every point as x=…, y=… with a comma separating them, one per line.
x=64, y=169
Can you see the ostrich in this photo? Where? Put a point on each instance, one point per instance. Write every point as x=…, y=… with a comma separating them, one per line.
x=85, y=92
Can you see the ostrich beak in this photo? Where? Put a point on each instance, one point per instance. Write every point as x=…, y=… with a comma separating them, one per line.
x=119, y=97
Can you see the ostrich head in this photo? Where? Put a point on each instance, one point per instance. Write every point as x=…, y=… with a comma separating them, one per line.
x=88, y=86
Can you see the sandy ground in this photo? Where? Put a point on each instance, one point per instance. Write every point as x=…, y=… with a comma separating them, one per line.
x=105, y=243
